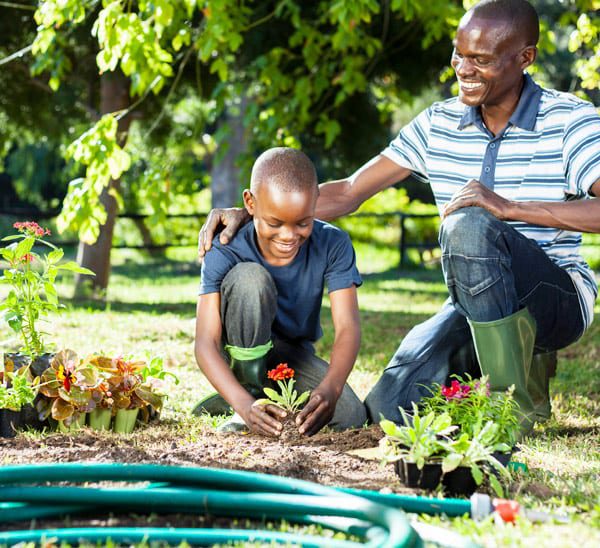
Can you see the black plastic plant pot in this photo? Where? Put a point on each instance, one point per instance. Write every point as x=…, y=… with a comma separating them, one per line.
x=9, y=421
x=429, y=477
x=14, y=362
x=28, y=415
x=459, y=482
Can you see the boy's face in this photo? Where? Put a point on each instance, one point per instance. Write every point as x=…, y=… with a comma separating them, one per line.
x=282, y=220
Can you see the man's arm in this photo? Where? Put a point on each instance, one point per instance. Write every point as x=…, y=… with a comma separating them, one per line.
x=576, y=215
x=321, y=405
x=208, y=355
x=338, y=198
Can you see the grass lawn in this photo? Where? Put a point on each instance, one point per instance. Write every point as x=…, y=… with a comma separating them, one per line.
x=150, y=308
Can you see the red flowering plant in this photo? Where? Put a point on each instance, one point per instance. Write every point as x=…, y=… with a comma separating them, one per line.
x=471, y=405
x=68, y=387
x=31, y=278
x=463, y=424
x=287, y=398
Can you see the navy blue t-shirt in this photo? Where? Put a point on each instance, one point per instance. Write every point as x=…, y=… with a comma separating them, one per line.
x=327, y=256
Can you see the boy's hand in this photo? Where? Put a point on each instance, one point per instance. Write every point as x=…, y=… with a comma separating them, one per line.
x=264, y=419
x=318, y=411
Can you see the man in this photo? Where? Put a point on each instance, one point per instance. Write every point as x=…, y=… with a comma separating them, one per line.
x=510, y=165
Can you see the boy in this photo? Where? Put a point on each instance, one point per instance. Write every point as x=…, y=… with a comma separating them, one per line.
x=260, y=300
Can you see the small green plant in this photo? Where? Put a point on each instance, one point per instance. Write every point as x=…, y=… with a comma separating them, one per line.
x=32, y=295
x=17, y=389
x=461, y=425
x=421, y=439
x=288, y=398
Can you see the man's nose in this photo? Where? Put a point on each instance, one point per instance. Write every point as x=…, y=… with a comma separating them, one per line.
x=464, y=67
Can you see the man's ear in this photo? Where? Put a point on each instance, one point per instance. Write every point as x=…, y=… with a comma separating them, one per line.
x=528, y=56
x=249, y=204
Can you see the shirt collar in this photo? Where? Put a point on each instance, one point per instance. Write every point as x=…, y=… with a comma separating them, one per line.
x=524, y=115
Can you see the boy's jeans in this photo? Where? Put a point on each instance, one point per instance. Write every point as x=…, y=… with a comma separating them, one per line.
x=491, y=272
x=248, y=307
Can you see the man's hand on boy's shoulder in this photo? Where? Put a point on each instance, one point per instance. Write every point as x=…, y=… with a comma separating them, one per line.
x=318, y=411
x=232, y=219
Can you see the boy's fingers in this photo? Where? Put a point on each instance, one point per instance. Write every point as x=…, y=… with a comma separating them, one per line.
x=207, y=232
x=312, y=404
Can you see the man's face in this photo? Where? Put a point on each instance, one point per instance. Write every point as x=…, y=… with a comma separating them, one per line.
x=489, y=62
x=282, y=220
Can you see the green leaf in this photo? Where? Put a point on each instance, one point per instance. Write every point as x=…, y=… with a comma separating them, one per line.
x=451, y=462
x=272, y=394
x=72, y=266
x=24, y=247
x=477, y=474
x=496, y=486
x=55, y=256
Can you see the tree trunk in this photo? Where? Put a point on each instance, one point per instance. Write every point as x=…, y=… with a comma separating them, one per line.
x=225, y=182
x=114, y=96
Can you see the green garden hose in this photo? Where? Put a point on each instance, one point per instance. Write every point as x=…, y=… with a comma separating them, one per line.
x=371, y=516
x=255, y=495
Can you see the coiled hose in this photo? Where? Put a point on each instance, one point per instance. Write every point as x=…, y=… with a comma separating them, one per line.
x=25, y=495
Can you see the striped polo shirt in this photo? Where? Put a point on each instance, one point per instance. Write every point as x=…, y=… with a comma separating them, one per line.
x=549, y=151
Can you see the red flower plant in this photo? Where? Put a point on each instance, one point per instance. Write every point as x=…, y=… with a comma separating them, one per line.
x=455, y=391
x=31, y=228
x=287, y=398
x=281, y=372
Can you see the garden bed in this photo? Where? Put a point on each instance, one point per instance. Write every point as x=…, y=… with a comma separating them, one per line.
x=321, y=458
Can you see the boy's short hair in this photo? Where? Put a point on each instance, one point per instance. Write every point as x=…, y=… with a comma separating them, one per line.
x=288, y=169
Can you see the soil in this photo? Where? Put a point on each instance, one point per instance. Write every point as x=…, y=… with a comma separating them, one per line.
x=322, y=458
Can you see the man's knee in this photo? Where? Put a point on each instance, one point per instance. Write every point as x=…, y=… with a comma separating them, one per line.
x=465, y=230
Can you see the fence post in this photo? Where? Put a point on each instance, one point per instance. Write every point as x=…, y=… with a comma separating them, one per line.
x=402, y=240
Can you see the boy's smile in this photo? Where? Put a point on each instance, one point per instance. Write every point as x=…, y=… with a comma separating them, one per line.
x=283, y=220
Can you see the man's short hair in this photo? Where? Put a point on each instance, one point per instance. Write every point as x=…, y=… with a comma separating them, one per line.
x=519, y=14
x=287, y=168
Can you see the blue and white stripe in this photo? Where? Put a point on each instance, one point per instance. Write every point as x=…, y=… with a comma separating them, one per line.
x=552, y=154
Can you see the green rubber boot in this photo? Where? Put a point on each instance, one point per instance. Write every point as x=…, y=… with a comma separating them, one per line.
x=251, y=374
x=543, y=367
x=505, y=350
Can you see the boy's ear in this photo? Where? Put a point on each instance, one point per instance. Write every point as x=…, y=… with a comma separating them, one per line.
x=249, y=201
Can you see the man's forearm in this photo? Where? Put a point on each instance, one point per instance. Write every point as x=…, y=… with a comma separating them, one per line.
x=578, y=215
x=338, y=198
x=335, y=200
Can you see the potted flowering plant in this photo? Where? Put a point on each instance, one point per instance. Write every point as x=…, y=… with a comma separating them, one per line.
x=129, y=390
x=462, y=433
x=67, y=386
x=32, y=294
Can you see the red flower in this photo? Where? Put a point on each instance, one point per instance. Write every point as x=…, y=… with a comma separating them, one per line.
x=281, y=372
x=27, y=258
x=455, y=391
x=31, y=228
x=66, y=374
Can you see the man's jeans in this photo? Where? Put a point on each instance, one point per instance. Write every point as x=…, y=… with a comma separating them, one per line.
x=491, y=272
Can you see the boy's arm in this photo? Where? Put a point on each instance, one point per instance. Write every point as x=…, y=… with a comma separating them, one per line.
x=217, y=371
x=323, y=399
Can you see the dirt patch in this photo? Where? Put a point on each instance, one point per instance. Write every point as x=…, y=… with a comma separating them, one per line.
x=321, y=458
